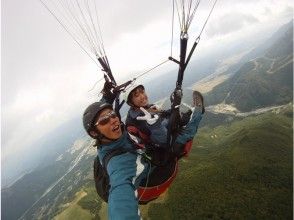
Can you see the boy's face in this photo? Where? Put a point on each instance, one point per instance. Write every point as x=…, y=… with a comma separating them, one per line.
x=108, y=124
x=139, y=97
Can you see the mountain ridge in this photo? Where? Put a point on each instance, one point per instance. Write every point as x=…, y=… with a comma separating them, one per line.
x=261, y=82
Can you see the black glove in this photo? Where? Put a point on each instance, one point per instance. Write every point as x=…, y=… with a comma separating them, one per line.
x=176, y=97
x=108, y=91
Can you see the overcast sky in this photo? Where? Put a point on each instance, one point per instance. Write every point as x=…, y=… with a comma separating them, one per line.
x=46, y=77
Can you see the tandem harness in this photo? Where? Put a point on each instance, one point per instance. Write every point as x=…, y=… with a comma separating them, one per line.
x=149, y=189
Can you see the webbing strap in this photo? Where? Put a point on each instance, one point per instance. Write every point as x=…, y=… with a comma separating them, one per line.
x=111, y=154
x=114, y=153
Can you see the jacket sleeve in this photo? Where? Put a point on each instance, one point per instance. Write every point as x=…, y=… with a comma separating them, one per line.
x=188, y=132
x=124, y=171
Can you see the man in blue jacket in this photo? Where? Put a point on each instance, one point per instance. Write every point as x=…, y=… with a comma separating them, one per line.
x=126, y=170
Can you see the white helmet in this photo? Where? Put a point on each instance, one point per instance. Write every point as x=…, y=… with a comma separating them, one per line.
x=129, y=89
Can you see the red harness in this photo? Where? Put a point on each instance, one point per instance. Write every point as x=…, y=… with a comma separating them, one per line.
x=149, y=192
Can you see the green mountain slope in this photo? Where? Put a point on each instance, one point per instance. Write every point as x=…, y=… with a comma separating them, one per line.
x=265, y=81
x=240, y=171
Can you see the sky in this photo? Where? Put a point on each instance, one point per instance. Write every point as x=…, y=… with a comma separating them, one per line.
x=46, y=77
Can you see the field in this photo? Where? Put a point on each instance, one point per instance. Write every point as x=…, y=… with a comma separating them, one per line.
x=74, y=210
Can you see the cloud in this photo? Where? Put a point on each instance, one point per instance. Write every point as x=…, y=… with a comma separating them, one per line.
x=130, y=16
x=232, y=16
x=229, y=23
x=42, y=105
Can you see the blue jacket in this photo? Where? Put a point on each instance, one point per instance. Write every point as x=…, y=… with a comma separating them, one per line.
x=126, y=171
x=157, y=132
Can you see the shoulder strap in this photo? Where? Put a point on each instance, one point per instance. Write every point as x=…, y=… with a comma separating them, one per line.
x=113, y=153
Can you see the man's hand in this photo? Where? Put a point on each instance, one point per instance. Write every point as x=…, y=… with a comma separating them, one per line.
x=108, y=91
x=176, y=97
x=147, y=117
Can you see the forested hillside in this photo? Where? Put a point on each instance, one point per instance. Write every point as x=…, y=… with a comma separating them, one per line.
x=242, y=170
x=264, y=81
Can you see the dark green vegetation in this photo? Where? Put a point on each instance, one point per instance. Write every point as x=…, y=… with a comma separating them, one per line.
x=264, y=81
x=238, y=171
x=91, y=201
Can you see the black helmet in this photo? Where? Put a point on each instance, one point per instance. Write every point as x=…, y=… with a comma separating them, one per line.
x=91, y=113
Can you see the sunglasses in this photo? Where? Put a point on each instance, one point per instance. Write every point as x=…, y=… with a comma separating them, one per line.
x=106, y=118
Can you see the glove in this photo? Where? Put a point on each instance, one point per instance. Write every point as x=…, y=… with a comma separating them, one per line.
x=147, y=117
x=176, y=97
x=108, y=91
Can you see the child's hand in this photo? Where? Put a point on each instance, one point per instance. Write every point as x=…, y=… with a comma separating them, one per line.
x=154, y=109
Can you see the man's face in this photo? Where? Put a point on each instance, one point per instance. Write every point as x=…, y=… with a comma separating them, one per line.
x=139, y=97
x=109, y=124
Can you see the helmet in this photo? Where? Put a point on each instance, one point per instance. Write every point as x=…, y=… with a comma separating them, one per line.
x=128, y=91
x=91, y=113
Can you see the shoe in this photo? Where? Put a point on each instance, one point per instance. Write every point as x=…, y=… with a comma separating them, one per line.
x=198, y=100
